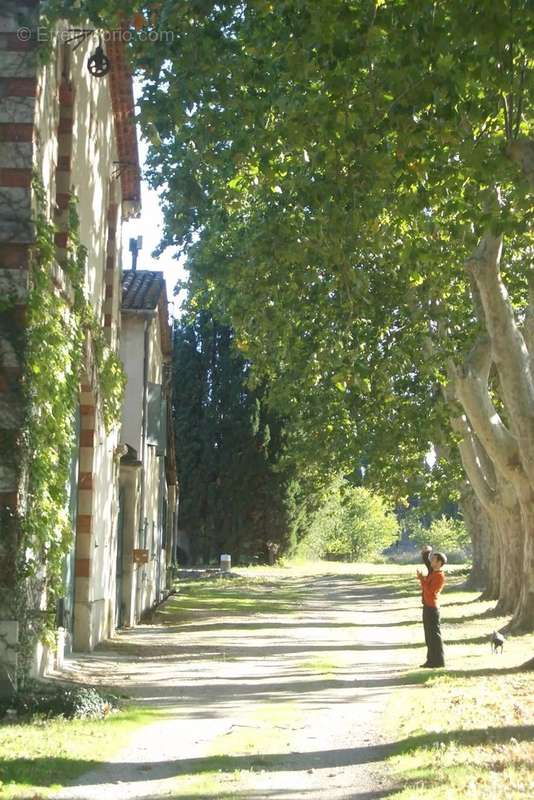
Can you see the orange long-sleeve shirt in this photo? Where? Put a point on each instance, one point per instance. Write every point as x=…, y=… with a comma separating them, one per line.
x=432, y=585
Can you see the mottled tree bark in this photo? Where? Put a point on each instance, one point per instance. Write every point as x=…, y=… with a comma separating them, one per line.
x=482, y=534
x=514, y=456
x=490, y=457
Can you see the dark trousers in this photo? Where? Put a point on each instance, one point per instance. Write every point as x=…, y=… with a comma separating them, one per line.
x=434, y=643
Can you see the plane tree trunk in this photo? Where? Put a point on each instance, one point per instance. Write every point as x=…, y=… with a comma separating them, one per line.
x=480, y=526
x=507, y=446
x=512, y=361
x=493, y=491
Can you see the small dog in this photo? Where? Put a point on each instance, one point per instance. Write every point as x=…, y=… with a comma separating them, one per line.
x=497, y=641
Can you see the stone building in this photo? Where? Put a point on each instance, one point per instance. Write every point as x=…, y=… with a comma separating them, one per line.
x=74, y=131
x=148, y=478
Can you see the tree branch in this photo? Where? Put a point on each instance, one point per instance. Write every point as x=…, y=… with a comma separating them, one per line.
x=470, y=386
x=478, y=360
x=509, y=351
x=520, y=93
x=507, y=102
x=478, y=477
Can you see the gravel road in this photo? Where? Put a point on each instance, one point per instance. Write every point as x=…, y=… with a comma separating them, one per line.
x=278, y=706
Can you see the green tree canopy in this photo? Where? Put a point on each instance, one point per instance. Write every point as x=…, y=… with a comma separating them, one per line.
x=326, y=166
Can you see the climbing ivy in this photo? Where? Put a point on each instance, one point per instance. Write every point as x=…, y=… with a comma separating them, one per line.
x=111, y=377
x=51, y=344
x=52, y=359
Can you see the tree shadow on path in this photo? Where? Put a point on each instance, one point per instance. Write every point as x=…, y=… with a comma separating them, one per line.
x=265, y=794
x=290, y=762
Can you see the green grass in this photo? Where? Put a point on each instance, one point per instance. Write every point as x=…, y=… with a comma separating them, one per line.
x=466, y=731
x=477, y=741
x=37, y=758
x=228, y=596
x=322, y=665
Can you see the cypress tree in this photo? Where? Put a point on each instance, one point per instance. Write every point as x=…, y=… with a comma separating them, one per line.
x=235, y=496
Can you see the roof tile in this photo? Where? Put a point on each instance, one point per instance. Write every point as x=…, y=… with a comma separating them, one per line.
x=141, y=290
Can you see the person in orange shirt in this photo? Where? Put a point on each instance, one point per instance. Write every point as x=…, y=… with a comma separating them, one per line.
x=432, y=584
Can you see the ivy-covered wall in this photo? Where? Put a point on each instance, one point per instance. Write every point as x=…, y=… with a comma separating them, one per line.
x=18, y=78
x=59, y=326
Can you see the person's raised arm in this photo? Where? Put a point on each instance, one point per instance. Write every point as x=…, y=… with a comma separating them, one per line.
x=425, y=555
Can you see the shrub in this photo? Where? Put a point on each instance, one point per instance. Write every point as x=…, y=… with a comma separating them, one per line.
x=445, y=533
x=354, y=524
x=73, y=702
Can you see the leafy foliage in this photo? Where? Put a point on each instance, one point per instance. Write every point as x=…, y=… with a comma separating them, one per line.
x=77, y=702
x=447, y=535
x=102, y=13
x=325, y=166
x=354, y=524
x=236, y=496
x=50, y=346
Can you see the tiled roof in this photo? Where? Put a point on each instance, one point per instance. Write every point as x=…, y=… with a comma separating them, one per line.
x=144, y=290
x=141, y=290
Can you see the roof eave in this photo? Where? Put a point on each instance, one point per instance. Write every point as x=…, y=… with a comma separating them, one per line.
x=123, y=105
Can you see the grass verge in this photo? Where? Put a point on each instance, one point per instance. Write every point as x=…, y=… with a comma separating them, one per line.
x=37, y=758
x=466, y=732
x=230, y=596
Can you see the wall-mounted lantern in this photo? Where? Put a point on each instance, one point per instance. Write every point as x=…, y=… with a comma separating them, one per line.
x=99, y=64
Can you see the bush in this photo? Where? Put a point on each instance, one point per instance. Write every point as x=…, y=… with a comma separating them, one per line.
x=68, y=702
x=354, y=524
x=445, y=533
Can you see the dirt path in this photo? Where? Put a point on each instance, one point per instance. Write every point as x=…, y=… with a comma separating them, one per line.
x=265, y=706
